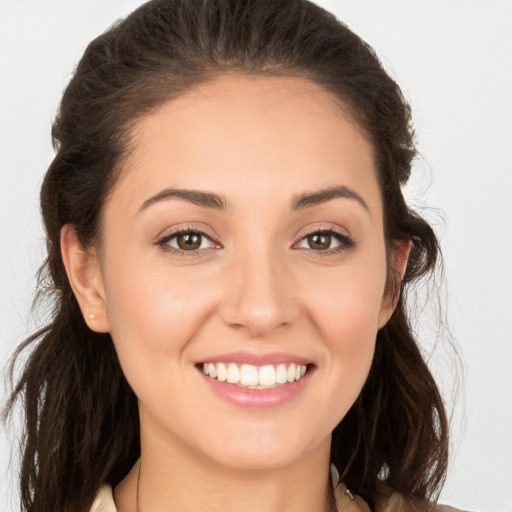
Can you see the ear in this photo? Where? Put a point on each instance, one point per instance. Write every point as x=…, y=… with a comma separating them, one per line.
x=86, y=280
x=398, y=264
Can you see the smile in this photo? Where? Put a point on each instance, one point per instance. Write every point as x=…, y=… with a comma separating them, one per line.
x=254, y=377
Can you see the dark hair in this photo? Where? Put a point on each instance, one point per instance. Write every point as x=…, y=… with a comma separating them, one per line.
x=82, y=426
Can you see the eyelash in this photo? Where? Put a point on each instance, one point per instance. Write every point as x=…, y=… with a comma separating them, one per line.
x=163, y=242
x=345, y=242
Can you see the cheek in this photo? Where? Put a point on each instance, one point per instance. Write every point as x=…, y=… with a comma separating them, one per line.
x=349, y=325
x=345, y=310
x=152, y=312
x=346, y=305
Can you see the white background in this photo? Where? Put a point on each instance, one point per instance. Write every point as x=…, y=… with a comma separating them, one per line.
x=452, y=59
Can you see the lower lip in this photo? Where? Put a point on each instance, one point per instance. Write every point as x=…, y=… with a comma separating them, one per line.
x=258, y=398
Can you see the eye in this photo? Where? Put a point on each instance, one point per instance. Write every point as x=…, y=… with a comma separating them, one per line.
x=325, y=241
x=188, y=240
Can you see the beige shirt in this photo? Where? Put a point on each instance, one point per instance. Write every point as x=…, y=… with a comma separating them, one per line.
x=104, y=502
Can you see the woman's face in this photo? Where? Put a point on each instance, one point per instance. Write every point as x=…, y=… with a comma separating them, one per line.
x=244, y=238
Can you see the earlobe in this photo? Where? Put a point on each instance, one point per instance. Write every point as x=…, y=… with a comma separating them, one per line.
x=84, y=275
x=392, y=294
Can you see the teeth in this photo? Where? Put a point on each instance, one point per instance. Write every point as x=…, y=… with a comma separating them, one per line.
x=254, y=377
x=222, y=373
x=281, y=374
x=290, y=374
x=248, y=375
x=267, y=375
x=233, y=373
x=212, y=370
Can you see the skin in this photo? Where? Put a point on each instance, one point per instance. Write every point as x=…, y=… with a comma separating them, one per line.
x=257, y=286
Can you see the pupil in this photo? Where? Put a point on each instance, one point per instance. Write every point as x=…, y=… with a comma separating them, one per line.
x=189, y=241
x=320, y=242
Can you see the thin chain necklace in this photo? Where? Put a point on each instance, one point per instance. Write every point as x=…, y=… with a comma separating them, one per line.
x=137, y=501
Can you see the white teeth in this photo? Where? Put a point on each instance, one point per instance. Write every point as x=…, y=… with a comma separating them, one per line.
x=233, y=373
x=222, y=373
x=281, y=374
x=267, y=375
x=212, y=370
x=290, y=374
x=248, y=375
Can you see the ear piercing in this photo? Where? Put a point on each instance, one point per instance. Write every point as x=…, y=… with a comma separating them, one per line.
x=92, y=316
x=349, y=494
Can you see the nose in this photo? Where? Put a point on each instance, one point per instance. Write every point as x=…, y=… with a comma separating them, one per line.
x=259, y=295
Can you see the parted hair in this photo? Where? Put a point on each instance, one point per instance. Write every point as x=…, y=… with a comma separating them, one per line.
x=81, y=416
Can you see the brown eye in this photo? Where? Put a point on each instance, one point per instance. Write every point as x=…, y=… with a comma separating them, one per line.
x=325, y=241
x=188, y=241
x=319, y=241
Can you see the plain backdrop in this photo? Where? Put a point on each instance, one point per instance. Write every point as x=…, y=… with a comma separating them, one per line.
x=452, y=59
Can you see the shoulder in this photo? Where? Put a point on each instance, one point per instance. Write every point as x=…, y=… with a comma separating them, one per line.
x=388, y=500
x=104, y=501
x=394, y=502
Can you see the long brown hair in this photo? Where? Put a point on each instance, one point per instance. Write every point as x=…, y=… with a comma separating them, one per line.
x=81, y=417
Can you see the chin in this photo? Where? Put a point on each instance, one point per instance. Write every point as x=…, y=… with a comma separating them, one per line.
x=251, y=460
x=262, y=450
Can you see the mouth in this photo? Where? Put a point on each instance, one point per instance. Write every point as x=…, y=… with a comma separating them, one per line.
x=249, y=376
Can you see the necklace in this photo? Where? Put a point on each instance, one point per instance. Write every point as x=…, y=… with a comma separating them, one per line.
x=137, y=501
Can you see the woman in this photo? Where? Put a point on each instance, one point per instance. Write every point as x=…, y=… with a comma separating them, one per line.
x=228, y=249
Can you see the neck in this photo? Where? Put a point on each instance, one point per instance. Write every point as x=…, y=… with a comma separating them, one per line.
x=175, y=480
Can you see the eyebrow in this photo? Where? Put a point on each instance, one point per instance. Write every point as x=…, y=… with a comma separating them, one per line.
x=204, y=199
x=218, y=202
x=322, y=196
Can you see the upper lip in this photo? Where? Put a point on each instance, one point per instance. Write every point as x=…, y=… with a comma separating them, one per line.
x=241, y=357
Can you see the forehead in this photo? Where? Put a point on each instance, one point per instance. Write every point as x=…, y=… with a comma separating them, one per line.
x=246, y=135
